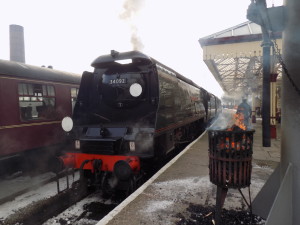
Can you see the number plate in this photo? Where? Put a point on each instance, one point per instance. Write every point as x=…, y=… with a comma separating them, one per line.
x=118, y=81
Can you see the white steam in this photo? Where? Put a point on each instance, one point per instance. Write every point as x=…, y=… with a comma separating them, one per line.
x=131, y=9
x=224, y=121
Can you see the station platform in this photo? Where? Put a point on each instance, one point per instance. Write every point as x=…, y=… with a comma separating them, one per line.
x=185, y=181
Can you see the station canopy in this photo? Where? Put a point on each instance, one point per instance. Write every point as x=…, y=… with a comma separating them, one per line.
x=234, y=57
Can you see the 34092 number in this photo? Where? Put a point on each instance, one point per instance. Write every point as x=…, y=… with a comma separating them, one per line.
x=118, y=81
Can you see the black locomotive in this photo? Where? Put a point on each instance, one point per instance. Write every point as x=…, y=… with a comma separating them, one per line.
x=129, y=113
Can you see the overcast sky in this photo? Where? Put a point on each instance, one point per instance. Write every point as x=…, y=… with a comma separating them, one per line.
x=70, y=34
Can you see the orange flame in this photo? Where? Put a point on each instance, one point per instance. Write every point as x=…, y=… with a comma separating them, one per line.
x=238, y=119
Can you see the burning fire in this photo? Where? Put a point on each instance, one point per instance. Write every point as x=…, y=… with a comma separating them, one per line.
x=231, y=143
x=238, y=119
x=228, y=143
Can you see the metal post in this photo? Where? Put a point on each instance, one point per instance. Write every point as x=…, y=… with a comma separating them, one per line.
x=257, y=13
x=273, y=105
x=57, y=183
x=266, y=45
x=253, y=106
x=221, y=195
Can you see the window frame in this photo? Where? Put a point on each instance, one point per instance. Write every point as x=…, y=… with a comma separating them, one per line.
x=37, y=101
x=74, y=98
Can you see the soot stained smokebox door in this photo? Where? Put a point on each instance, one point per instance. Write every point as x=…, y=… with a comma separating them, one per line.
x=230, y=162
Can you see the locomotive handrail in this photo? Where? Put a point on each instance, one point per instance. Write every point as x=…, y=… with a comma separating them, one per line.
x=87, y=138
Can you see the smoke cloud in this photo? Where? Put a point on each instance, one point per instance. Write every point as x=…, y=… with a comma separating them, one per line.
x=131, y=9
x=223, y=121
x=226, y=120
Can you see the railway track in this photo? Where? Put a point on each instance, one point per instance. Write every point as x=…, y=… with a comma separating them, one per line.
x=22, y=185
x=24, y=194
x=40, y=211
x=89, y=210
x=69, y=206
x=44, y=200
x=68, y=203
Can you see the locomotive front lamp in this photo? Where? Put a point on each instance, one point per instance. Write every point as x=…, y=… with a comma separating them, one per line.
x=132, y=146
x=67, y=124
x=135, y=89
x=77, y=144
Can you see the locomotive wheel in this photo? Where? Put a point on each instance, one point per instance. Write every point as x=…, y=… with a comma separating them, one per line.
x=132, y=186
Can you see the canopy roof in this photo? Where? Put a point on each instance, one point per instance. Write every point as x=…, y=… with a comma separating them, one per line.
x=234, y=57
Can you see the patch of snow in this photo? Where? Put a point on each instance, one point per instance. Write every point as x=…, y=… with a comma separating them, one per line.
x=182, y=187
x=154, y=206
x=75, y=210
x=44, y=192
x=187, y=184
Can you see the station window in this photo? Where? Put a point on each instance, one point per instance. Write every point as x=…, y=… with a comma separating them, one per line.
x=36, y=101
x=74, y=93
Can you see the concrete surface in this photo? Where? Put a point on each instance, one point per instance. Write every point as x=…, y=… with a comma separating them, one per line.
x=185, y=180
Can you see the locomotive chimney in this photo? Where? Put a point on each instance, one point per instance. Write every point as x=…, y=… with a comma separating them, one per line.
x=114, y=53
x=17, y=47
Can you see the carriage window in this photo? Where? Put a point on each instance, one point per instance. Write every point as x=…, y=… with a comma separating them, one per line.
x=36, y=101
x=74, y=93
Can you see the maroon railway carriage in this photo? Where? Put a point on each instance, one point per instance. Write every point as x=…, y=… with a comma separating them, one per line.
x=33, y=102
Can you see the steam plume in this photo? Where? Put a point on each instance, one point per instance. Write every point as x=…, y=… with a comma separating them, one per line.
x=131, y=8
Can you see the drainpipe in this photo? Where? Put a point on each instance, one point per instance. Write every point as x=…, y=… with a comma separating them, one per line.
x=257, y=13
x=266, y=45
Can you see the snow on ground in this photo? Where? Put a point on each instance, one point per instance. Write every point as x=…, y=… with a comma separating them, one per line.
x=183, y=188
x=174, y=196
x=73, y=212
x=70, y=215
x=40, y=193
x=154, y=206
x=167, y=198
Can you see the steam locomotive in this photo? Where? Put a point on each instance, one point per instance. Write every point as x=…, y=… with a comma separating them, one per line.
x=132, y=111
x=33, y=101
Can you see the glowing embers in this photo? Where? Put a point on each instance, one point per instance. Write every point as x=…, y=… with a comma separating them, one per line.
x=230, y=157
x=230, y=162
x=230, y=143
